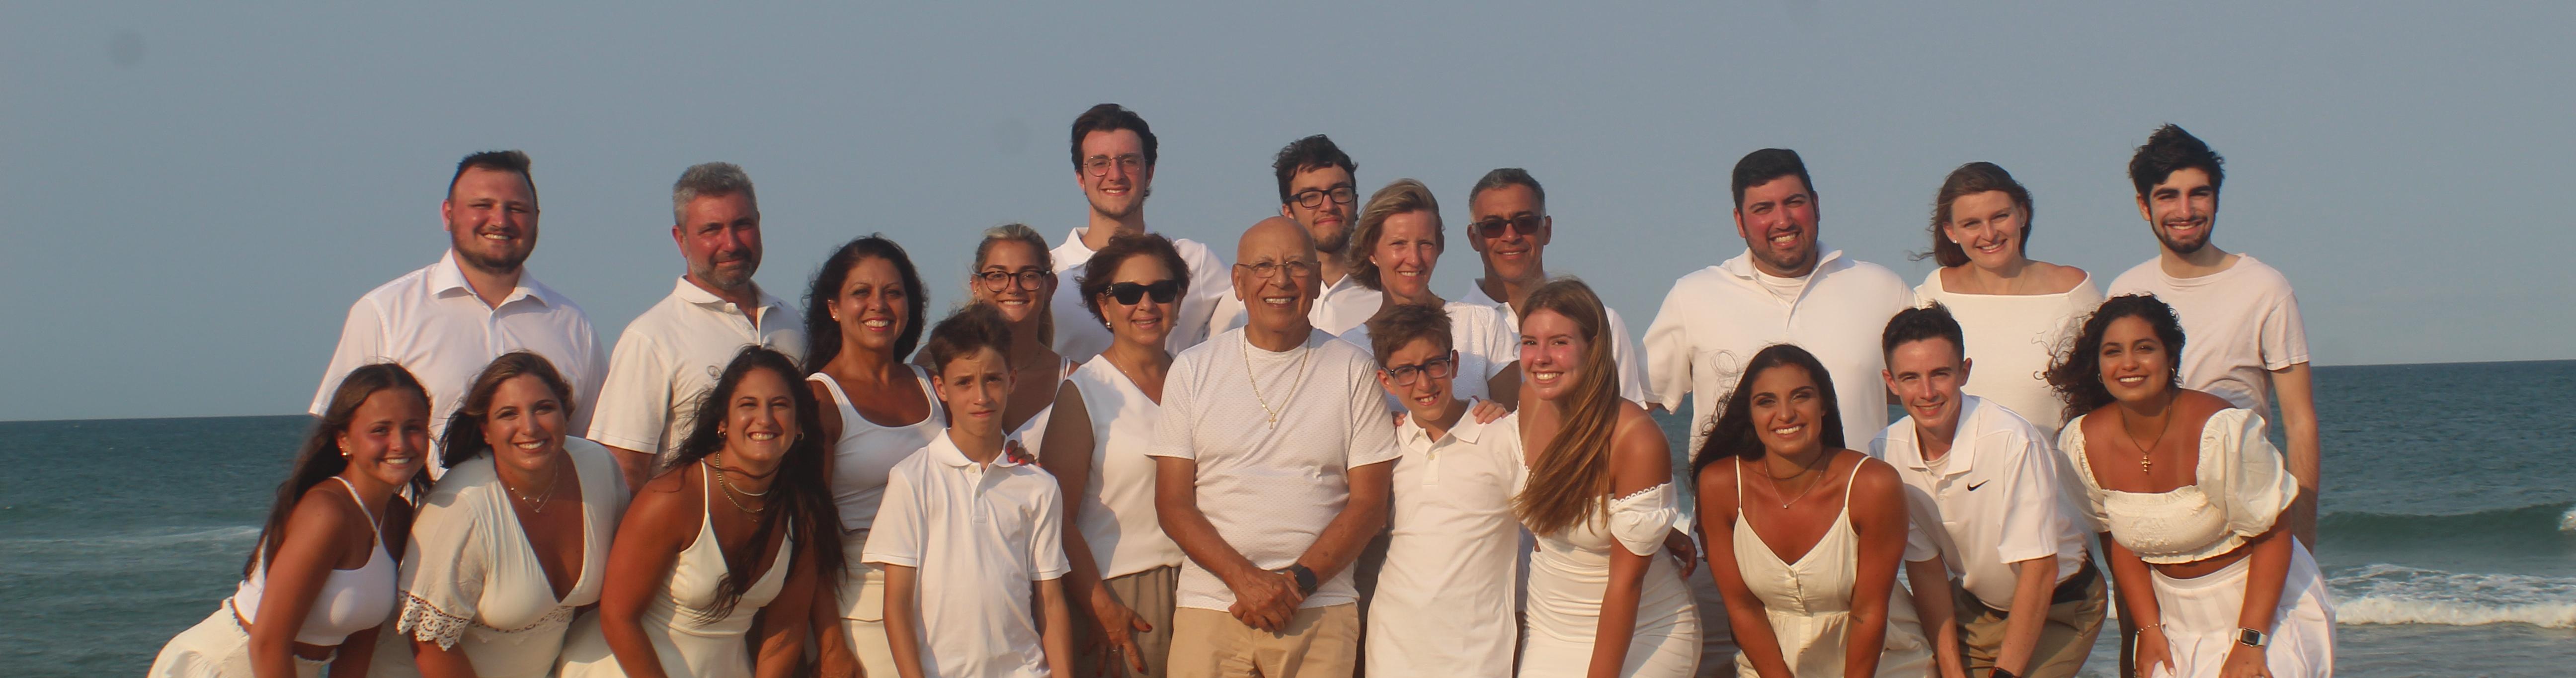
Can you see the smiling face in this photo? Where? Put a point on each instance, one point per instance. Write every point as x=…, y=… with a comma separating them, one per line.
x=525, y=423
x=2136, y=368
x=1431, y=367
x=491, y=219
x=1277, y=302
x=975, y=387
x=872, y=305
x=1926, y=375
x=1552, y=351
x=2182, y=209
x=1018, y=262
x=1123, y=181
x=387, y=438
x=1143, y=323
x=760, y=421
x=1988, y=226
x=1329, y=221
x=1778, y=222
x=1407, y=249
x=719, y=236
x=1788, y=410
x=1511, y=253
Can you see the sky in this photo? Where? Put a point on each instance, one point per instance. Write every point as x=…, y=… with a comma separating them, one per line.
x=192, y=195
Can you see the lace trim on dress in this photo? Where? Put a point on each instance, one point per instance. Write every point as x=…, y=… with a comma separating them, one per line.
x=428, y=624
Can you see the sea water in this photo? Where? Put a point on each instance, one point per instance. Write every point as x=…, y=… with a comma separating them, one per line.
x=2448, y=537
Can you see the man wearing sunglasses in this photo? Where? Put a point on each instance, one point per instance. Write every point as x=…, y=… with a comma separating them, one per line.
x=1510, y=231
x=1113, y=161
x=1318, y=189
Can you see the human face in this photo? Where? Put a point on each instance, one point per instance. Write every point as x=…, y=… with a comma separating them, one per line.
x=387, y=440
x=719, y=235
x=1552, y=350
x=491, y=219
x=1330, y=219
x=1278, y=302
x=760, y=422
x=1989, y=227
x=2182, y=209
x=1407, y=248
x=1788, y=410
x=1926, y=375
x=975, y=387
x=1120, y=190
x=1432, y=369
x=1141, y=323
x=1778, y=222
x=525, y=423
x=1014, y=260
x=873, y=306
x=2136, y=367
x=1511, y=253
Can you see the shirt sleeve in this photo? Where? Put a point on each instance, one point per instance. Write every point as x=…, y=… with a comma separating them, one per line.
x=1632, y=369
x=2080, y=487
x=2284, y=333
x=443, y=570
x=1668, y=353
x=2037, y=517
x=635, y=397
x=2242, y=472
x=1046, y=543
x=1502, y=346
x=1640, y=520
x=1178, y=418
x=1372, y=431
x=1209, y=282
x=361, y=342
x=588, y=377
x=896, y=537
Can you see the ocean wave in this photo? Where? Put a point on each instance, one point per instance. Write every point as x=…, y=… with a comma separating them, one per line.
x=153, y=538
x=2396, y=594
x=2542, y=526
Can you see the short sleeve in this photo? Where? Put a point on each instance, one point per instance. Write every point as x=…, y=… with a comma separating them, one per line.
x=1372, y=431
x=589, y=377
x=1668, y=353
x=1501, y=345
x=2038, y=517
x=1046, y=542
x=361, y=342
x=1918, y=540
x=1640, y=520
x=2284, y=333
x=634, y=398
x=443, y=570
x=2077, y=481
x=896, y=538
x=2242, y=472
x=1632, y=368
x=1177, y=420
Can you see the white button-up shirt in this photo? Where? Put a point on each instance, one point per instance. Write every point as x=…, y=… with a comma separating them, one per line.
x=1632, y=371
x=430, y=322
x=976, y=535
x=1078, y=336
x=1451, y=583
x=1994, y=501
x=1716, y=318
x=670, y=356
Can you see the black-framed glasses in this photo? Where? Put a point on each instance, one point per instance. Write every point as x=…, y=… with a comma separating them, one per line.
x=1128, y=293
x=1098, y=165
x=1028, y=278
x=1296, y=268
x=1314, y=197
x=1492, y=227
x=1437, y=368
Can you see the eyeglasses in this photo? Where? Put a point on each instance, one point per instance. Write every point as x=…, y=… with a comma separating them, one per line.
x=1162, y=291
x=1526, y=225
x=1437, y=368
x=1296, y=268
x=1028, y=278
x=1314, y=197
x=1098, y=165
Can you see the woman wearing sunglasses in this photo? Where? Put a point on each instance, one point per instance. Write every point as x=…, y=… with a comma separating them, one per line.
x=1124, y=567
x=1015, y=273
x=1394, y=251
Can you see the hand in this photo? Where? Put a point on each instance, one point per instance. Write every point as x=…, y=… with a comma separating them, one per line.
x=1681, y=547
x=1486, y=411
x=1399, y=419
x=1118, y=626
x=2245, y=661
x=2153, y=651
x=1018, y=453
x=1265, y=600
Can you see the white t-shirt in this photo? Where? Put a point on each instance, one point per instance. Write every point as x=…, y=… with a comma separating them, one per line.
x=430, y=322
x=2237, y=326
x=1271, y=489
x=670, y=356
x=976, y=535
x=1716, y=318
x=1453, y=554
x=1341, y=306
x=1992, y=501
x=1484, y=342
x=1632, y=368
x=1118, y=517
x=1078, y=337
x=2012, y=338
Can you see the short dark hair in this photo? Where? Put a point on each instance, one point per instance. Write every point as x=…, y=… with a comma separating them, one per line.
x=1311, y=153
x=514, y=161
x=1508, y=176
x=2077, y=374
x=1917, y=324
x=1760, y=167
x=1111, y=118
x=1097, y=273
x=1395, y=327
x=972, y=328
x=1971, y=179
x=2171, y=149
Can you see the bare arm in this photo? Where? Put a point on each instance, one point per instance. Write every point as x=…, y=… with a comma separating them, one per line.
x=782, y=623
x=1505, y=387
x=2265, y=576
x=1069, y=439
x=833, y=655
x=1639, y=460
x=1878, y=516
x=2036, y=580
x=1744, y=612
x=433, y=661
x=661, y=521
x=2139, y=614
x=1262, y=593
x=1931, y=583
x=636, y=466
x=2297, y=392
x=311, y=545
x=1362, y=518
x=903, y=619
x=1057, y=636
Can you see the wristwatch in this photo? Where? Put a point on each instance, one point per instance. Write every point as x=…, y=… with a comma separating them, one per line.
x=2252, y=638
x=1305, y=578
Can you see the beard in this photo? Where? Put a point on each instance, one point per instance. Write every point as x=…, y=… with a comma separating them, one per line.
x=729, y=278
x=1801, y=260
x=508, y=261
x=1334, y=245
x=2186, y=246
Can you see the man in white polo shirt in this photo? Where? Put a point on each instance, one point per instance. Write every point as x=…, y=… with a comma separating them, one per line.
x=1510, y=232
x=672, y=353
x=445, y=322
x=1981, y=484
x=1272, y=470
x=1113, y=162
x=1317, y=188
x=2248, y=343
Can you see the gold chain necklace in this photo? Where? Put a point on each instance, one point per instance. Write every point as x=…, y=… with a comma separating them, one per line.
x=540, y=500
x=1822, y=458
x=1296, y=377
x=716, y=464
x=2146, y=453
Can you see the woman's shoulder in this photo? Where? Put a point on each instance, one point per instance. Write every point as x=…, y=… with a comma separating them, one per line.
x=2061, y=278
x=1636, y=438
x=1872, y=476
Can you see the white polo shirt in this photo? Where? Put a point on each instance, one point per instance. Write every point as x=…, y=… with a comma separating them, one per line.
x=1485, y=346
x=1270, y=490
x=976, y=535
x=671, y=355
x=2237, y=326
x=1716, y=318
x=1993, y=501
x=1453, y=554
x=1339, y=308
x=430, y=322
x=1078, y=337
x=1632, y=370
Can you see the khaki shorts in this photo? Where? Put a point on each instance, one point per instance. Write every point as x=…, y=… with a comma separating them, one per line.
x=1320, y=642
x=2064, y=642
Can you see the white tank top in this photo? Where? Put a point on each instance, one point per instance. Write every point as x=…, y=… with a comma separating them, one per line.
x=866, y=452
x=350, y=601
x=1118, y=517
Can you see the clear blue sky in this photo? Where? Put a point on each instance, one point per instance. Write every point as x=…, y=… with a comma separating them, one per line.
x=193, y=194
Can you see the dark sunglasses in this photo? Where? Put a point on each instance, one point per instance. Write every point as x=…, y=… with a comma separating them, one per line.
x=1163, y=291
x=1526, y=225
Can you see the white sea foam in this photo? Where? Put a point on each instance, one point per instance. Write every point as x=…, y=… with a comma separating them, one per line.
x=152, y=538
x=2567, y=523
x=2393, y=594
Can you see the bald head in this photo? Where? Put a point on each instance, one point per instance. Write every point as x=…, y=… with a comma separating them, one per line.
x=1269, y=235
x=1276, y=304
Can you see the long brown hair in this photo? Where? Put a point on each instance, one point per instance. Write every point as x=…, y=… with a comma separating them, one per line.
x=1971, y=179
x=318, y=459
x=800, y=494
x=464, y=440
x=1572, y=476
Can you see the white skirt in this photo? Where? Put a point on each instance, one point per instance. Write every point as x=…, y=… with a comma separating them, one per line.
x=2200, y=613
x=217, y=648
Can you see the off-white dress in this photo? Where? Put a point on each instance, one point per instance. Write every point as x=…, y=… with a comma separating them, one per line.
x=1571, y=572
x=1809, y=602
x=687, y=636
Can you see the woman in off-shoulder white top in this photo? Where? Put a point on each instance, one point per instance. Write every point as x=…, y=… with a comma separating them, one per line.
x=2190, y=491
x=2018, y=312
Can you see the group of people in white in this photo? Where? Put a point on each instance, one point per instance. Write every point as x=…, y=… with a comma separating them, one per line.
x=1126, y=457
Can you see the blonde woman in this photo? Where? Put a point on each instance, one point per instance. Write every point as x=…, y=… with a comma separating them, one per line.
x=1016, y=275
x=1396, y=248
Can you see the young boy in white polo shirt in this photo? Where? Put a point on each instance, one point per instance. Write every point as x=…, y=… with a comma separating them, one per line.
x=1445, y=599
x=967, y=529
x=1981, y=483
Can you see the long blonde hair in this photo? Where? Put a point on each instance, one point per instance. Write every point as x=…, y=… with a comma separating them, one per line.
x=1572, y=476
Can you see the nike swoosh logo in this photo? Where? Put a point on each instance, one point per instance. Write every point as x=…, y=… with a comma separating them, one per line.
x=1973, y=487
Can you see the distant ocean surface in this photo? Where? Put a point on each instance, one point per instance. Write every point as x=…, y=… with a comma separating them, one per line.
x=2449, y=535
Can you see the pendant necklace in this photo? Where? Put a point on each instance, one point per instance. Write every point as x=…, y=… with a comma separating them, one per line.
x=2146, y=453
x=1296, y=377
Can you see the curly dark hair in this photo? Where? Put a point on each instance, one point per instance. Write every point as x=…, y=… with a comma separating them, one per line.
x=1097, y=273
x=800, y=496
x=2077, y=375
x=1732, y=435
x=823, y=335
x=2169, y=149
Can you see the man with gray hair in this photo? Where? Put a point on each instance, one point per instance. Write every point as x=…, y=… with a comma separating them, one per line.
x=675, y=350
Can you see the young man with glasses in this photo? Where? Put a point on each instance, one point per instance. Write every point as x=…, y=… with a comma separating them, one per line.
x=1318, y=189
x=1510, y=232
x=1113, y=162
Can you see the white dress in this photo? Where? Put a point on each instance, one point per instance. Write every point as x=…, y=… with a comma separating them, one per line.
x=2012, y=338
x=471, y=582
x=350, y=601
x=686, y=635
x=1809, y=602
x=1570, y=573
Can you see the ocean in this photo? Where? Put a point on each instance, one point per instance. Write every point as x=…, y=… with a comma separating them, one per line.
x=2449, y=535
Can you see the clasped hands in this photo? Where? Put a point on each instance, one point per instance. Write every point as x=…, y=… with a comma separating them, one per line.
x=1264, y=599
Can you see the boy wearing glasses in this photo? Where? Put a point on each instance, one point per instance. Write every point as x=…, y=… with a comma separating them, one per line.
x=1113, y=162
x=1446, y=597
x=1510, y=231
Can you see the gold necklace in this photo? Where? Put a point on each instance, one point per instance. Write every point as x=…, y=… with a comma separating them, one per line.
x=1822, y=458
x=717, y=464
x=2146, y=453
x=541, y=499
x=1296, y=377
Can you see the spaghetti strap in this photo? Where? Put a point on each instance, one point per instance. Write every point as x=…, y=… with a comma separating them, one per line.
x=372, y=523
x=1847, y=484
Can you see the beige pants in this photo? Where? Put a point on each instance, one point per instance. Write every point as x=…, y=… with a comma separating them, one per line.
x=1149, y=593
x=863, y=608
x=2065, y=641
x=1320, y=642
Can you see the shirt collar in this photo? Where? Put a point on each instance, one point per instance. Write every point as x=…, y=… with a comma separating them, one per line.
x=1742, y=265
x=692, y=293
x=1961, y=458
x=447, y=278
x=946, y=452
x=1074, y=240
x=1465, y=431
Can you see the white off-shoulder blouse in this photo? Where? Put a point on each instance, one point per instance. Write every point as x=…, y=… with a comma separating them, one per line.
x=2239, y=488
x=472, y=579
